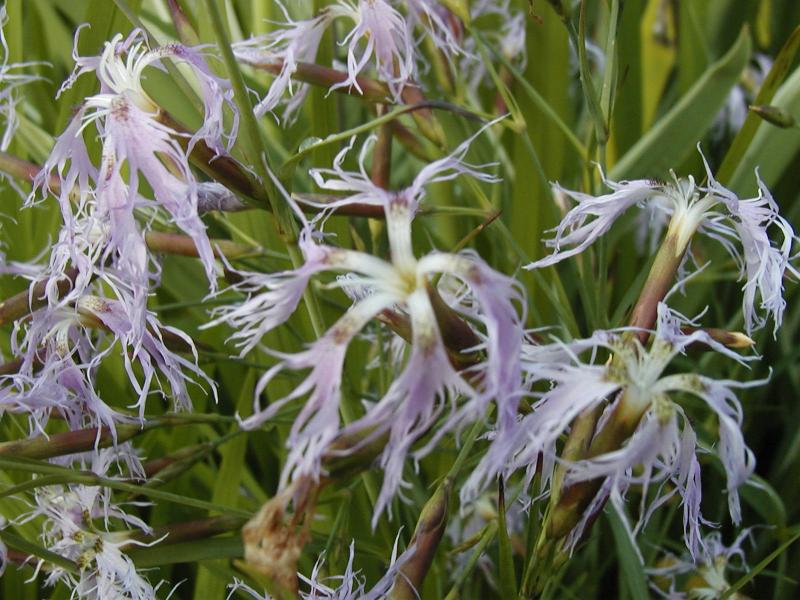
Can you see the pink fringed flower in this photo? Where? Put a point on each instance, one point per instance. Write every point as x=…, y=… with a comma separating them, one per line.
x=428, y=383
x=61, y=353
x=100, y=203
x=664, y=445
x=379, y=35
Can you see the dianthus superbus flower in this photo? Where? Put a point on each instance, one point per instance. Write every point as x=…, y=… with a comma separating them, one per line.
x=703, y=576
x=379, y=35
x=429, y=383
x=79, y=524
x=61, y=355
x=741, y=225
x=99, y=203
x=663, y=446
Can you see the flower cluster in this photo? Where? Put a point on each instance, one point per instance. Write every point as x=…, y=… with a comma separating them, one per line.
x=99, y=204
x=414, y=348
x=380, y=32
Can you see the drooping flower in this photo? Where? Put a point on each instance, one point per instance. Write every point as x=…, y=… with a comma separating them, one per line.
x=741, y=225
x=62, y=348
x=99, y=204
x=429, y=382
x=663, y=446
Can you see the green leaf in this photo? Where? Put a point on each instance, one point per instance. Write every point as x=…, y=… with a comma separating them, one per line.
x=18, y=543
x=631, y=569
x=673, y=136
x=742, y=581
x=508, y=577
x=187, y=552
x=741, y=143
x=228, y=483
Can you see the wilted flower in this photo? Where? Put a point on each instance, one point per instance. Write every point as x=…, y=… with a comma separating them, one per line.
x=417, y=397
x=350, y=585
x=741, y=225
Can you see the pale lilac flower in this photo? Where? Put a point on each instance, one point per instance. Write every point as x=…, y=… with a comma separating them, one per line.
x=291, y=43
x=98, y=203
x=593, y=216
x=429, y=383
x=741, y=225
x=54, y=375
x=149, y=350
x=379, y=35
x=62, y=349
x=361, y=190
x=664, y=445
x=762, y=264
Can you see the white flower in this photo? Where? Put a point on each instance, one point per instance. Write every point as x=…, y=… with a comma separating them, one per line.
x=663, y=445
x=707, y=571
x=77, y=525
x=741, y=225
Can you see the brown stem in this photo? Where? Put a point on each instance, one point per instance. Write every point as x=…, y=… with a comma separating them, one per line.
x=574, y=499
x=70, y=442
x=183, y=245
x=659, y=281
x=430, y=529
x=568, y=506
x=83, y=440
x=371, y=91
x=32, y=299
x=192, y=530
